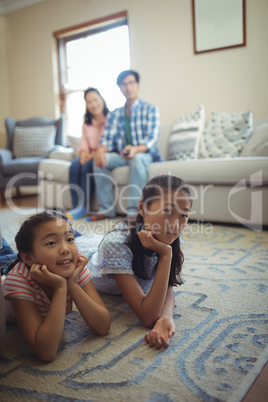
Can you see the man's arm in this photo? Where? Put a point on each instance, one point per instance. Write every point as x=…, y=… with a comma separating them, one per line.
x=153, y=128
x=133, y=150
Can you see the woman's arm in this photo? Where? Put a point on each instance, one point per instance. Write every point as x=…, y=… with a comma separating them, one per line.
x=86, y=156
x=164, y=327
x=42, y=336
x=88, y=301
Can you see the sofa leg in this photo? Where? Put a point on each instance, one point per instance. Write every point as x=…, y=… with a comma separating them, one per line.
x=2, y=196
x=18, y=192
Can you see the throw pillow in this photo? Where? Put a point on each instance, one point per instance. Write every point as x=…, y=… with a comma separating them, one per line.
x=33, y=141
x=225, y=134
x=185, y=134
x=258, y=142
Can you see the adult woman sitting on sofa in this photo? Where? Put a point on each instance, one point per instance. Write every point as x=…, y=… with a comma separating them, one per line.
x=80, y=177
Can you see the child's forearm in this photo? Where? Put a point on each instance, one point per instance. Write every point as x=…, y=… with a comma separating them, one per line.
x=94, y=314
x=168, y=308
x=153, y=304
x=49, y=334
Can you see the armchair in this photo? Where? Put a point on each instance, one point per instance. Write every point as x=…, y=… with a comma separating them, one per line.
x=28, y=142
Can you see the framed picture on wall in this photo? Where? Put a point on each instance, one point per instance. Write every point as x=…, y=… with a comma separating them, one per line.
x=218, y=24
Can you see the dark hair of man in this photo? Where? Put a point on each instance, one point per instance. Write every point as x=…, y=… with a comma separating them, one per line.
x=89, y=116
x=150, y=191
x=25, y=236
x=125, y=74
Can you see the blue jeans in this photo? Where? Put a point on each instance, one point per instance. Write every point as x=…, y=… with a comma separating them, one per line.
x=81, y=182
x=7, y=255
x=138, y=177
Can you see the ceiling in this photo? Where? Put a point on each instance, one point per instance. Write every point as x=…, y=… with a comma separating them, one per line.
x=7, y=6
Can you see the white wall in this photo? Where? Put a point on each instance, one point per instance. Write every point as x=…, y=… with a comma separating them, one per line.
x=161, y=36
x=4, y=87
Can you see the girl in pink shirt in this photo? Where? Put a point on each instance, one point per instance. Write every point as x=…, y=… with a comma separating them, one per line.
x=81, y=171
x=46, y=278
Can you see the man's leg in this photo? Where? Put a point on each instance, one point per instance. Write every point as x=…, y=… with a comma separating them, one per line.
x=138, y=177
x=104, y=183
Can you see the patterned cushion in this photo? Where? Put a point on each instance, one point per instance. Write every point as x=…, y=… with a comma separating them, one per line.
x=33, y=141
x=185, y=134
x=225, y=134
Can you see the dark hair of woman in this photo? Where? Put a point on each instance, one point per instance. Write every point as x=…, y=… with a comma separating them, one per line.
x=25, y=236
x=89, y=116
x=153, y=189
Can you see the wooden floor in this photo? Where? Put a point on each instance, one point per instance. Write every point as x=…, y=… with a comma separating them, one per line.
x=258, y=391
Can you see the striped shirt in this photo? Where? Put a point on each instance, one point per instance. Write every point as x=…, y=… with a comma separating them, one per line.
x=19, y=284
x=144, y=125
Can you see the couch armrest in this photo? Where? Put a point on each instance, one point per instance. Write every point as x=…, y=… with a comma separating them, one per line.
x=61, y=153
x=5, y=157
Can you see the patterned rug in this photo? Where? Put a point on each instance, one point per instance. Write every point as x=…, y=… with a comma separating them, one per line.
x=220, y=345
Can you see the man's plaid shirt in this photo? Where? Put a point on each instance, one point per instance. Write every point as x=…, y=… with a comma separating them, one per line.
x=144, y=124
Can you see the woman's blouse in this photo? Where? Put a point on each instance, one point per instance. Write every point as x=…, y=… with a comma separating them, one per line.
x=91, y=135
x=19, y=284
x=111, y=255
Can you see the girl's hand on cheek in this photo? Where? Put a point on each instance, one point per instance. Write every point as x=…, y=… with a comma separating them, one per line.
x=149, y=241
x=82, y=261
x=41, y=274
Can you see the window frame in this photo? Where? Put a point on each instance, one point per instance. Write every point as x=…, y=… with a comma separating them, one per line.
x=74, y=32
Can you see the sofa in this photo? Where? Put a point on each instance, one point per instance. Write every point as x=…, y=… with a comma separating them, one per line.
x=229, y=183
x=28, y=142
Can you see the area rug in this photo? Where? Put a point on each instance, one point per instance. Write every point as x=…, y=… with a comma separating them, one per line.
x=219, y=348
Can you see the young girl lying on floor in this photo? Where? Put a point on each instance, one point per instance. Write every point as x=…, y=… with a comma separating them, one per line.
x=46, y=278
x=141, y=257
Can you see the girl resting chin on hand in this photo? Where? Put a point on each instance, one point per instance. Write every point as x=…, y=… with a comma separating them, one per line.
x=48, y=275
x=141, y=258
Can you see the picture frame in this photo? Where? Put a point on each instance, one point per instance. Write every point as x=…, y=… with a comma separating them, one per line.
x=218, y=24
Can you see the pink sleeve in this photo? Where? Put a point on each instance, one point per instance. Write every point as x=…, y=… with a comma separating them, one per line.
x=84, y=277
x=16, y=285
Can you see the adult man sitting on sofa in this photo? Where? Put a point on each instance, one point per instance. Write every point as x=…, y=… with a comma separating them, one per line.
x=130, y=138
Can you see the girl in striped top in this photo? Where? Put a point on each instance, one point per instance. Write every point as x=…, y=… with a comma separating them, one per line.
x=48, y=275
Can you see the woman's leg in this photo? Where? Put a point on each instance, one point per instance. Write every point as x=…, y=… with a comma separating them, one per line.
x=74, y=180
x=78, y=198
x=87, y=182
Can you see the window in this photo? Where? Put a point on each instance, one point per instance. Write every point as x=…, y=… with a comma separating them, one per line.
x=91, y=55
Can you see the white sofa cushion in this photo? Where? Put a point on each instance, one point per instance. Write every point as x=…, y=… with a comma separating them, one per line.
x=225, y=134
x=33, y=141
x=185, y=134
x=74, y=143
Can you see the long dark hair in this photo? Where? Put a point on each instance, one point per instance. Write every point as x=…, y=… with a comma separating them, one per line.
x=152, y=190
x=89, y=116
x=25, y=236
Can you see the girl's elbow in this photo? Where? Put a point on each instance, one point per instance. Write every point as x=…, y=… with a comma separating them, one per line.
x=105, y=326
x=46, y=356
x=104, y=329
x=148, y=322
